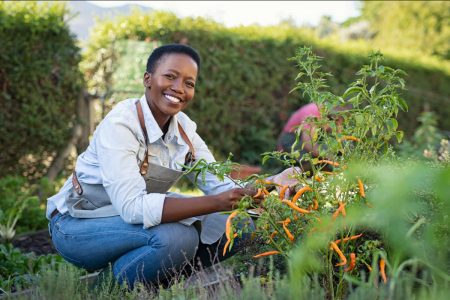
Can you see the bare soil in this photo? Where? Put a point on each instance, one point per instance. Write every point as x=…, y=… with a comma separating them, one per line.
x=38, y=242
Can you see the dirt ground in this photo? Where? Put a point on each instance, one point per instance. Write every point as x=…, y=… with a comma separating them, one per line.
x=38, y=242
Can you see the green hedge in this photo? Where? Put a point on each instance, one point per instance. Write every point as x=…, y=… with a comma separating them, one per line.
x=243, y=98
x=40, y=81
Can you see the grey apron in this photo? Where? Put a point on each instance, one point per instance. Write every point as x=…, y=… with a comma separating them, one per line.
x=91, y=200
x=94, y=202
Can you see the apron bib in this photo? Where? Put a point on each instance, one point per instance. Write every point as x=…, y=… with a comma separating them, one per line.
x=92, y=201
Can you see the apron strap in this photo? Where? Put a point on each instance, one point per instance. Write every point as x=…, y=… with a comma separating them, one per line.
x=76, y=184
x=144, y=166
x=190, y=156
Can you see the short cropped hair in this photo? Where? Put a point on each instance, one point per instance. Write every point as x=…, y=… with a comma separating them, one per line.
x=158, y=53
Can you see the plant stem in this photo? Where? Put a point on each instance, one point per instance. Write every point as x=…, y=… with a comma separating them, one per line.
x=415, y=226
x=277, y=229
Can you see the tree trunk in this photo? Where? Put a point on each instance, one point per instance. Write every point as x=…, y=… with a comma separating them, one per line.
x=80, y=134
x=58, y=163
x=85, y=117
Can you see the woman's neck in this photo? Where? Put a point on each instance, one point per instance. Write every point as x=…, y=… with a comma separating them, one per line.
x=162, y=119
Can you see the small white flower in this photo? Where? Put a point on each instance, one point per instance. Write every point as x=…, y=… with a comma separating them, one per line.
x=427, y=153
x=328, y=205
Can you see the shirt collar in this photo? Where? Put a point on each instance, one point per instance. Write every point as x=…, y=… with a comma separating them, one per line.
x=153, y=130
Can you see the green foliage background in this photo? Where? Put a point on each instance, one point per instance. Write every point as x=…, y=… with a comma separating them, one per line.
x=40, y=81
x=243, y=100
x=422, y=25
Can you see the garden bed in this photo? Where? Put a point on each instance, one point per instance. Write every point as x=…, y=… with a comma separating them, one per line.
x=39, y=242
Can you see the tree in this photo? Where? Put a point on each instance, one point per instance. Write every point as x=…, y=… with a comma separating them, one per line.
x=422, y=25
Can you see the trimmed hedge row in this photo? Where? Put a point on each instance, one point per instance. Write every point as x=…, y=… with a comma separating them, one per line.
x=40, y=81
x=243, y=98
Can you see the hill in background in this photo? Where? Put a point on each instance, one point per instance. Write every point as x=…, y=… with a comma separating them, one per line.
x=84, y=14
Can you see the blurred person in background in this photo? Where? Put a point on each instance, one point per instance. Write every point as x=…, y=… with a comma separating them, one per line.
x=304, y=117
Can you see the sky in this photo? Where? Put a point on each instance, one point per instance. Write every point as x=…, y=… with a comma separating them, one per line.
x=235, y=13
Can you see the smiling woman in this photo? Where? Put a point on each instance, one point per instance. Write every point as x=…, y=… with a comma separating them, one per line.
x=116, y=209
x=170, y=86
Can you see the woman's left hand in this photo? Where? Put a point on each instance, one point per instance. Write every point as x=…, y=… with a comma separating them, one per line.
x=287, y=177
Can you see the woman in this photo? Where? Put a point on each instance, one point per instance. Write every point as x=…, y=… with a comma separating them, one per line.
x=115, y=208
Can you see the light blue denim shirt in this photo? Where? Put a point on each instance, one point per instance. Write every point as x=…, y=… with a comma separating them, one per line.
x=114, y=155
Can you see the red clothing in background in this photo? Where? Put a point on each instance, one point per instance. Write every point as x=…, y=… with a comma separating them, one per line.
x=298, y=117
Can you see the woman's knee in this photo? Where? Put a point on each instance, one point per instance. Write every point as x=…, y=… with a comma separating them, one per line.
x=175, y=238
x=169, y=248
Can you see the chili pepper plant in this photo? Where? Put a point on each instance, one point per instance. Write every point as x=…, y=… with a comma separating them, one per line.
x=329, y=209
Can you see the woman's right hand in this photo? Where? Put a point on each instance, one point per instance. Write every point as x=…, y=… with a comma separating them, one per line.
x=229, y=199
x=176, y=209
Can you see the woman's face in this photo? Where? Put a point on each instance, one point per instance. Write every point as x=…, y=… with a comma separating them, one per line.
x=172, y=85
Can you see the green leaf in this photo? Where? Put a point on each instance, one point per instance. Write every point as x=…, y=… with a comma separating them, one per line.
x=372, y=89
x=351, y=90
x=392, y=124
x=374, y=130
x=359, y=119
x=402, y=104
x=399, y=135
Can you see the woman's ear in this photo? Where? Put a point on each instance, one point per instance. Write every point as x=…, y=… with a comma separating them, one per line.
x=147, y=80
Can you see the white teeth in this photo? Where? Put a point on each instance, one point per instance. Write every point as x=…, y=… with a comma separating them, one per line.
x=172, y=99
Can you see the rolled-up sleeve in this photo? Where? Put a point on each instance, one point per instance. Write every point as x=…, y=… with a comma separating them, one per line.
x=118, y=148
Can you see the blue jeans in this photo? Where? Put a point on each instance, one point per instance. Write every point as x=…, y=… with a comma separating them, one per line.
x=147, y=255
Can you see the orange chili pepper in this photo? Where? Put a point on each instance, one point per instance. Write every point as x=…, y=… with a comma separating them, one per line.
x=352, y=263
x=341, y=210
x=341, y=255
x=227, y=244
x=351, y=138
x=295, y=207
x=265, y=191
x=324, y=161
x=226, y=247
x=300, y=192
x=316, y=204
x=317, y=178
x=286, y=221
x=354, y=237
x=288, y=233
x=382, y=270
x=283, y=191
x=362, y=193
x=228, y=224
x=274, y=233
x=268, y=253
x=258, y=194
